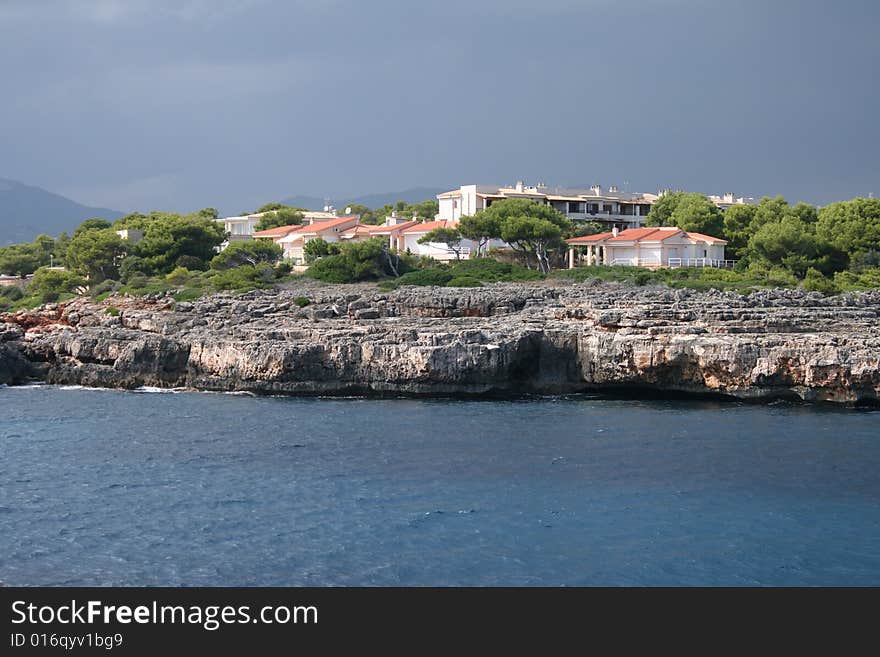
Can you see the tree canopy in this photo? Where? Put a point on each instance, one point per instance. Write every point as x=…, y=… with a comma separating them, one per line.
x=251, y=252
x=282, y=216
x=451, y=237
x=169, y=236
x=851, y=226
x=690, y=212
x=95, y=253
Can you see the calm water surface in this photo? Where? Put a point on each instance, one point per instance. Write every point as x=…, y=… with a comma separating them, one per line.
x=122, y=488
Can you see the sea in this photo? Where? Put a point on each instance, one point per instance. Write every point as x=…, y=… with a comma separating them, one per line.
x=153, y=488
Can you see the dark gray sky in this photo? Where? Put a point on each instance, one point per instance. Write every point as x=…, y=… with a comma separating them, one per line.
x=180, y=104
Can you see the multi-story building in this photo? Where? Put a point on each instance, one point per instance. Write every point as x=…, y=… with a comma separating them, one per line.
x=611, y=206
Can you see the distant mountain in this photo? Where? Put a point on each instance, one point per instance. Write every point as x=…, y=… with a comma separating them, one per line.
x=414, y=195
x=27, y=211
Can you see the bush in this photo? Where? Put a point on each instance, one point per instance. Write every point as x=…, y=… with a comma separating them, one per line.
x=302, y=302
x=251, y=252
x=49, y=284
x=867, y=279
x=464, y=281
x=104, y=288
x=282, y=269
x=113, y=311
x=438, y=277
x=816, y=282
x=178, y=276
x=132, y=266
x=489, y=270
x=189, y=294
x=11, y=293
x=137, y=282
x=191, y=262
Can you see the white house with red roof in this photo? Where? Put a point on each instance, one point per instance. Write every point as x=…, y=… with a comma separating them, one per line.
x=292, y=239
x=664, y=246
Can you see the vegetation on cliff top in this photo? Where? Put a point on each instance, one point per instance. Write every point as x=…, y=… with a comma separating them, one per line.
x=832, y=249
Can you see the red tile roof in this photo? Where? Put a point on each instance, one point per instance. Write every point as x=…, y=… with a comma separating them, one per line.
x=428, y=226
x=281, y=231
x=643, y=235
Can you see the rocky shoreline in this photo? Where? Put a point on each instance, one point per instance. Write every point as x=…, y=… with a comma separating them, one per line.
x=502, y=339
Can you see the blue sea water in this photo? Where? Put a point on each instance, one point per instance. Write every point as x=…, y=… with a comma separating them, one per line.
x=126, y=488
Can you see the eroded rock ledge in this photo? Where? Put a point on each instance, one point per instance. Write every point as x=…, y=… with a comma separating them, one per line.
x=502, y=339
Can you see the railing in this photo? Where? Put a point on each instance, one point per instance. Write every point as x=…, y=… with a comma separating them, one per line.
x=437, y=249
x=701, y=262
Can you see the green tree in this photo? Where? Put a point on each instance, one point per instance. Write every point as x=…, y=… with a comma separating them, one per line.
x=170, y=236
x=134, y=266
x=319, y=248
x=690, y=212
x=738, y=228
x=661, y=211
x=133, y=221
x=251, y=252
x=451, y=237
x=792, y=245
x=359, y=261
x=532, y=236
x=20, y=259
x=61, y=248
x=481, y=228
x=851, y=226
x=210, y=213
x=49, y=284
x=91, y=224
x=96, y=253
x=770, y=210
x=270, y=207
x=280, y=217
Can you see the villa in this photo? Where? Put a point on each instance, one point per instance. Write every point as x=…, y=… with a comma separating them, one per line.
x=293, y=238
x=612, y=206
x=243, y=227
x=648, y=247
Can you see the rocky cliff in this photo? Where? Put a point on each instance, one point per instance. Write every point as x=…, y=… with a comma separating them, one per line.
x=501, y=339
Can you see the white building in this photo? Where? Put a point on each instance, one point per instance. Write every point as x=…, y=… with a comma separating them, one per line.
x=594, y=204
x=648, y=247
x=611, y=206
x=243, y=227
x=410, y=236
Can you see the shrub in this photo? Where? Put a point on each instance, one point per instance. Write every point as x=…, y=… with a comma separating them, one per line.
x=464, y=281
x=178, y=276
x=490, y=270
x=113, y=311
x=104, y=288
x=439, y=277
x=189, y=294
x=251, y=252
x=132, y=266
x=11, y=293
x=816, y=282
x=191, y=262
x=302, y=302
x=50, y=284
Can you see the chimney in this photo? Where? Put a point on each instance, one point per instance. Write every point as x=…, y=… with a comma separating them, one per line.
x=613, y=189
x=519, y=185
x=615, y=231
x=596, y=189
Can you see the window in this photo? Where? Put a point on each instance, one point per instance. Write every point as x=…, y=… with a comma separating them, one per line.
x=593, y=208
x=608, y=209
x=574, y=207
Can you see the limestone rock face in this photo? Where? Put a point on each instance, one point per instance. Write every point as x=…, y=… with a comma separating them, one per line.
x=499, y=339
